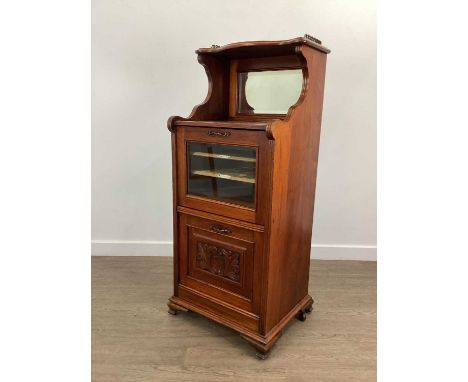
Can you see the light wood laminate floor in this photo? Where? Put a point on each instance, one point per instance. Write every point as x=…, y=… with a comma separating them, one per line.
x=135, y=339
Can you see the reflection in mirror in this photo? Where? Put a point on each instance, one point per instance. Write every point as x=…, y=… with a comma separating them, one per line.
x=268, y=92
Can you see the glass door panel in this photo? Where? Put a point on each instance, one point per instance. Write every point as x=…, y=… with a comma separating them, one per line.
x=222, y=172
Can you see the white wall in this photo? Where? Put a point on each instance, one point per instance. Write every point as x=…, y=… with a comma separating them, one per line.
x=144, y=70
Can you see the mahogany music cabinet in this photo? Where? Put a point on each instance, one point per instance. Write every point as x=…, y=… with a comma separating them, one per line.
x=244, y=172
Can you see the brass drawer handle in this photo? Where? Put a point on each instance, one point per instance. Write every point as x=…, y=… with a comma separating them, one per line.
x=219, y=133
x=219, y=229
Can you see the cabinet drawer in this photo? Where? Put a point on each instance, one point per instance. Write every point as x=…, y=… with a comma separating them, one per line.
x=221, y=228
x=219, y=260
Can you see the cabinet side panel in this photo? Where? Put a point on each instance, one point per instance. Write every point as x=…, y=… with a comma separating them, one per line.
x=174, y=210
x=216, y=104
x=294, y=178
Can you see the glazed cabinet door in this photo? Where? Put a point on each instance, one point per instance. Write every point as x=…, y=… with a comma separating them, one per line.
x=223, y=171
x=219, y=260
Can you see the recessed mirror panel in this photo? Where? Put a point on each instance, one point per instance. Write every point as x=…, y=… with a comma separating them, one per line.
x=268, y=91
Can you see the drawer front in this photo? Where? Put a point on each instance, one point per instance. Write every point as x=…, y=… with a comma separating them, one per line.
x=223, y=171
x=221, y=228
x=220, y=260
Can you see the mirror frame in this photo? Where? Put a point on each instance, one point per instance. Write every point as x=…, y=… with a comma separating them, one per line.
x=257, y=65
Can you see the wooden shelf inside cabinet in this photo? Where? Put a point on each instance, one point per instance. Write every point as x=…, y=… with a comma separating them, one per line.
x=244, y=174
x=224, y=156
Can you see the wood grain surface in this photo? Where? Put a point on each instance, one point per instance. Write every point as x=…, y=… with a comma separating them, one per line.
x=287, y=153
x=135, y=339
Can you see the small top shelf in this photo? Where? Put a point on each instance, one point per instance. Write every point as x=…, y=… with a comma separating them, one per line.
x=263, y=48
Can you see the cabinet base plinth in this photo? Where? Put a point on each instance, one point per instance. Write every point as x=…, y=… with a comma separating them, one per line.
x=261, y=343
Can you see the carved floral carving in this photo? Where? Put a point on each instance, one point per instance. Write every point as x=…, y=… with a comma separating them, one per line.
x=218, y=261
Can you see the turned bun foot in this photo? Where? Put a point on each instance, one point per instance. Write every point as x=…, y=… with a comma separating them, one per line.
x=262, y=355
x=173, y=308
x=301, y=315
x=262, y=348
x=308, y=308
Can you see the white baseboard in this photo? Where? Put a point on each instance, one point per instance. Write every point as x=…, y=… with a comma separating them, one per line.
x=344, y=252
x=164, y=248
x=130, y=248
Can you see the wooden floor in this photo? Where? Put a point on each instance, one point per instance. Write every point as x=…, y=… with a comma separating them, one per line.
x=135, y=339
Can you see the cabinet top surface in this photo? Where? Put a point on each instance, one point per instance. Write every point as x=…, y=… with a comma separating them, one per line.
x=263, y=48
x=247, y=125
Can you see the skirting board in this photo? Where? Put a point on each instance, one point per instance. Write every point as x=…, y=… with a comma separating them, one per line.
x=164, y=248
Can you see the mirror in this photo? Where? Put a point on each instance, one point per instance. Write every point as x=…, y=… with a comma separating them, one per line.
x=269, y=91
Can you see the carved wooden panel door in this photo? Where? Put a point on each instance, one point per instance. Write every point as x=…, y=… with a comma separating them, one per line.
x=218, y=259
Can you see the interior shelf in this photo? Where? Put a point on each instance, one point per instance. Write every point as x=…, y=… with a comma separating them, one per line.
x=239, y=175
x=224, y=156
